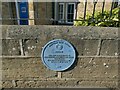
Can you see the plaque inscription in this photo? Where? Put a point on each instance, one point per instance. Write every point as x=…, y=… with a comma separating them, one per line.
x=58, y=55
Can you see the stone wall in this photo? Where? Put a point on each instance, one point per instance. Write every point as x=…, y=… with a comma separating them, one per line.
x=97, y=61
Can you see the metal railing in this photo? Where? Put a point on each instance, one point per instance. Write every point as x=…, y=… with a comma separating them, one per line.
x=13, y=18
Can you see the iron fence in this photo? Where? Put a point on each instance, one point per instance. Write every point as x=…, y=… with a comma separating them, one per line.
x=14, y=19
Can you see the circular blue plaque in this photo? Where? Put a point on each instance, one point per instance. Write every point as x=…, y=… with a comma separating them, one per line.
x=58, y=55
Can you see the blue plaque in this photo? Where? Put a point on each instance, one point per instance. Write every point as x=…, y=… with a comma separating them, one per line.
x=58, y=55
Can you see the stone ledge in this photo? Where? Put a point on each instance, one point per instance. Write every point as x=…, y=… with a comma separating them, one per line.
x=59, y=84
x=38, y=31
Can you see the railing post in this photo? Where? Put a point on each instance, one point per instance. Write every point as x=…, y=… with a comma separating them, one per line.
x=36, y=9
x=85, y=9
x=103, y=6
x=111, y=8
x=94, y=2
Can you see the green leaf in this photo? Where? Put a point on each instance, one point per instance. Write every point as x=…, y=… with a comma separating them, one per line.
x=101, y=19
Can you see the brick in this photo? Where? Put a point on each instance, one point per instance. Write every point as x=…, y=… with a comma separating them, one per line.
x=23, y=69
x=10, y=47
x=109, y=47
x=94, y=69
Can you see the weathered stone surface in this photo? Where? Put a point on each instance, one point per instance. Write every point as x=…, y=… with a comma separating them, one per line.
x=94, y=69
x=32, y=48
x=10, y=47
x=61, y=84
x=33, y=32
x=90, y=69
x=7, y=84
x=109, y=47
x=0, y=47
x=118, y=47
x=0, y=32
x=3, y=31
x=23, y=69
x=83, y=47
x=84, y=69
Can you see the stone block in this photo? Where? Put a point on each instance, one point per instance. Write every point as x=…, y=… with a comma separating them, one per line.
x=3, y=31
x=109, y=47
x=10, y=47
x=25, y=69
x=85, y=47
x=34, y=47
x=118, y=47
x=94, y=69
x=68, y=84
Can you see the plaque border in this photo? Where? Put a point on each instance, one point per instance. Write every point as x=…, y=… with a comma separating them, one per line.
x=44, y=47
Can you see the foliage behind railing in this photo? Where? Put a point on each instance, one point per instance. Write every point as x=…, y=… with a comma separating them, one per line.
x=101, y=19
